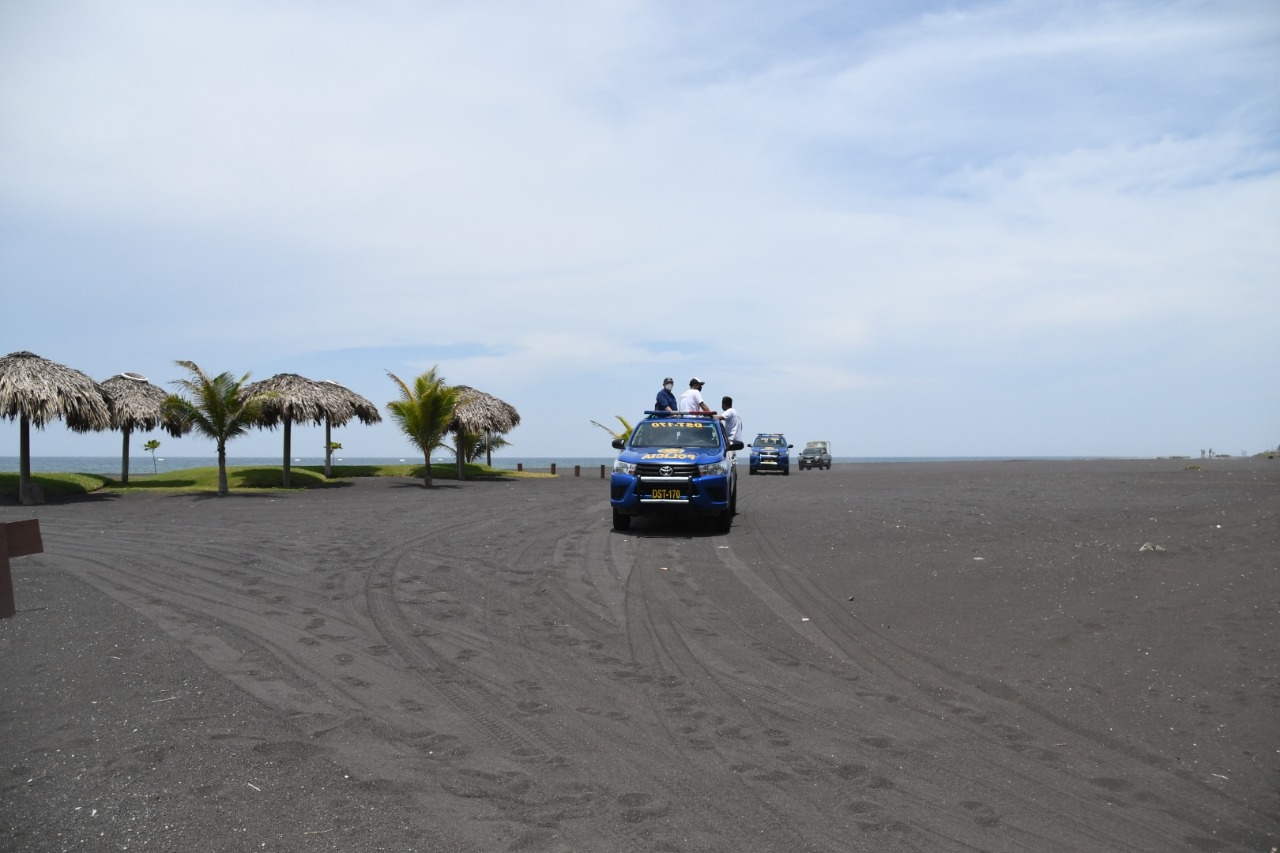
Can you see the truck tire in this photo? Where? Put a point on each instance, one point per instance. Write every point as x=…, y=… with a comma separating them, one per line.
x=621, y=521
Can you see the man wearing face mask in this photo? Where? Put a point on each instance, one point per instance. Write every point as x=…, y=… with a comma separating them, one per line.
x=666, y=400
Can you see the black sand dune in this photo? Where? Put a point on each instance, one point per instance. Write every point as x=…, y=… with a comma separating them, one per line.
x=933, y=657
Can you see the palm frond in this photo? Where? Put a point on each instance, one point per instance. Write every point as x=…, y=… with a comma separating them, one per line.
x=623, y=435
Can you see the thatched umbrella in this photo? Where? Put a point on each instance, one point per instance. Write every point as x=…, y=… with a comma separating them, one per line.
x=299, y=399
x=360, y=408
x=135, y=405
x=35, y=391
x=480, y=412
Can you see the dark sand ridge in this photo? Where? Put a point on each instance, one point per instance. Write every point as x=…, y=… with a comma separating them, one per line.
x=950, y=656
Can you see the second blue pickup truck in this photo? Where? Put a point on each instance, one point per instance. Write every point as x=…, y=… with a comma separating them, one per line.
x=769, y=454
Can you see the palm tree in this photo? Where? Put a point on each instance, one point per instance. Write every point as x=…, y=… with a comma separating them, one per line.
x=493, y=441
x=483, y=445
x=424, y=413
x=219, y=410
x=477, y=446
x=153, y=445
x=466, y=445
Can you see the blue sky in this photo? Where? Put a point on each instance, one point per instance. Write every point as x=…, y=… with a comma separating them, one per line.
x=913, y=229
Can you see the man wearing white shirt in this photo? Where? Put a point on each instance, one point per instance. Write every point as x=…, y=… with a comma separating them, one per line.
x=691, y=400
x=732, y=422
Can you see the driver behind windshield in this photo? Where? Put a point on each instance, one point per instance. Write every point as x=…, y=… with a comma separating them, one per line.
x=677, y=435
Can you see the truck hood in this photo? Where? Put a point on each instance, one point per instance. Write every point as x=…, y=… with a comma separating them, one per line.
x=673, y=455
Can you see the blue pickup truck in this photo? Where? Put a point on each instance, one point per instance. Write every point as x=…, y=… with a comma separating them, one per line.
x=769, y=454
x=675, y=463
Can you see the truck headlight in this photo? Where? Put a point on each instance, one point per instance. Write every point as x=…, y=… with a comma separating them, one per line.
x=715, y=468
x=620, y=467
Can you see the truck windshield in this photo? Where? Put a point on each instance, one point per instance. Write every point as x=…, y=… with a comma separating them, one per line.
x=676, y=434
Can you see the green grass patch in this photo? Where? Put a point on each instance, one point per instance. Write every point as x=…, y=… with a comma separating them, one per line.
x=55, y=485
x=245, y=478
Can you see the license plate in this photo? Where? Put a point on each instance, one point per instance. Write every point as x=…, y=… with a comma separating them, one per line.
x=667, y=494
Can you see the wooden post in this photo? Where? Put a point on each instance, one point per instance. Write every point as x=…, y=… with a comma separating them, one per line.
x=601, y=472
x=553, y=469
x=577, y=470
x=17, y=539
x=519, y=466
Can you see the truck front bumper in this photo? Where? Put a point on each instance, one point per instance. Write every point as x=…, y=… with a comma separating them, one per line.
x=632, y=495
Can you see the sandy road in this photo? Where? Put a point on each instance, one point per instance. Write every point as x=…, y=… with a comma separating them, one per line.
x=880, y=657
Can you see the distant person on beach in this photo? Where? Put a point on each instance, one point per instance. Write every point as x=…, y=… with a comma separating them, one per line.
x=732, y=422
x=691, y=400
x=666, y=401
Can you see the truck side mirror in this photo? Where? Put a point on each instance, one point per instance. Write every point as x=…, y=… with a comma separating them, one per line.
x=619, y=444
x=736, y=445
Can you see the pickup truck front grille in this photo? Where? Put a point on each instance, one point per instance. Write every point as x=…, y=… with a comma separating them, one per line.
x=649, y=469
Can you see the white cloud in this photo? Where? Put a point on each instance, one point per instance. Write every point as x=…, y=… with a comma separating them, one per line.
x=609, y=193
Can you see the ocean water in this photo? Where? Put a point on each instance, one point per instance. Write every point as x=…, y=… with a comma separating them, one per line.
x=142, y=464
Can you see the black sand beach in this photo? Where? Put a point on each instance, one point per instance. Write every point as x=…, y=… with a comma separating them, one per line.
x=924, y=656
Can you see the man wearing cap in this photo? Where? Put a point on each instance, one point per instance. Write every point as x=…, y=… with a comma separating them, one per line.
x=691, y=400
x=666, y=401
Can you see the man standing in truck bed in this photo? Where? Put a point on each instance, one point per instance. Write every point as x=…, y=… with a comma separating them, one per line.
x=732, y=422
x=666, y=401
x=691, y=400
